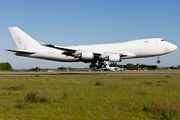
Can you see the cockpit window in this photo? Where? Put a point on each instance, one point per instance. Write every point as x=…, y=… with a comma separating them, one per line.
x=162, y=40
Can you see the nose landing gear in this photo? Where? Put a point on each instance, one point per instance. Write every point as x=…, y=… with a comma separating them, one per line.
x=159, y=60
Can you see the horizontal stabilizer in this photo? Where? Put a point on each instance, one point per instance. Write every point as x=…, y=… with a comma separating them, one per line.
x=21, y=51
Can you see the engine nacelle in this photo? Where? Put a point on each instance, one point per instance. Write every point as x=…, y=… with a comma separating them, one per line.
x=87, y=55
x=114, y=58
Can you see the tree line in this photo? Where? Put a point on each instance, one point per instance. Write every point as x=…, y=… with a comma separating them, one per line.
x=5, y=66
x=130, y=66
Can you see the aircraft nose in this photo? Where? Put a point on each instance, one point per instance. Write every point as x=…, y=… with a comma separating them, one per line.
x=171, y=47
x=175, y=47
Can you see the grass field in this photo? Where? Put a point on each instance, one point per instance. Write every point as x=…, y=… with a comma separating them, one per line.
x=90, y=97
x=96, y=72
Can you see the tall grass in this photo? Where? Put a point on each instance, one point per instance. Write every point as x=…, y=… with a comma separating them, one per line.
x=163, y=110
x=15, y=87
x=34, y=97
x=90, y=97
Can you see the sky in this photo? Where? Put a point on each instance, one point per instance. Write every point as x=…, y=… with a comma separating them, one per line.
x=83, y=22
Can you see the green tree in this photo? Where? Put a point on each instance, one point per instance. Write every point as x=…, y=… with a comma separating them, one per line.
x=172, y=67
x=5, y=66
x=143, y=66
x=130, y=66
x=35, y=69
x=113, y=64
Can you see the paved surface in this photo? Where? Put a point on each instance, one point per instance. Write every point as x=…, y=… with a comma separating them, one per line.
x=146, y=74
x=96, y=74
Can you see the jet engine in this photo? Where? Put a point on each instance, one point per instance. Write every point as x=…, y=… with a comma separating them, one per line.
x=87, y=55
x=114, y=58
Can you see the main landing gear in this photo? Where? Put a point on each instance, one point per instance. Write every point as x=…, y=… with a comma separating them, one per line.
x=159, y=60
x=94, y=65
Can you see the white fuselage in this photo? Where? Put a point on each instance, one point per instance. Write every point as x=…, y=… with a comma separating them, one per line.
x=134, y=49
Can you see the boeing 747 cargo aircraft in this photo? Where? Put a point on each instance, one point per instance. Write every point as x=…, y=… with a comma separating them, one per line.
x=94, y=54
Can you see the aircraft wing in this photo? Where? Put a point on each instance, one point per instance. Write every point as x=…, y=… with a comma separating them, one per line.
x=61, y=48
x=21, y=51
x=67, y=51
x=70, y=51
x=57, y=47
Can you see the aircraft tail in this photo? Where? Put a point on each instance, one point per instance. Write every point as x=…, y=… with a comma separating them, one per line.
x=107, y=65
x=23, y=40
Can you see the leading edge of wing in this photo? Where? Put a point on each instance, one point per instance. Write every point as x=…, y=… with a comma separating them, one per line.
x=61, y=48
x=57, y=47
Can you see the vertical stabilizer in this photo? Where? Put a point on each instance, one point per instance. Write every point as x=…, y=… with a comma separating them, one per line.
x=23, y=40
x=107, y=65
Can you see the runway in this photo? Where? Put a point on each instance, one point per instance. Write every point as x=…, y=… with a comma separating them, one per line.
x=96, y=74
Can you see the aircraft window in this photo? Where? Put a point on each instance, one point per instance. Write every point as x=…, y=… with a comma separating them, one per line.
x=163, y=40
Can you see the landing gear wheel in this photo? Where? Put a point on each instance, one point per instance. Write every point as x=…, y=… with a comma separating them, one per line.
x=159, y=60
x=92, y=66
